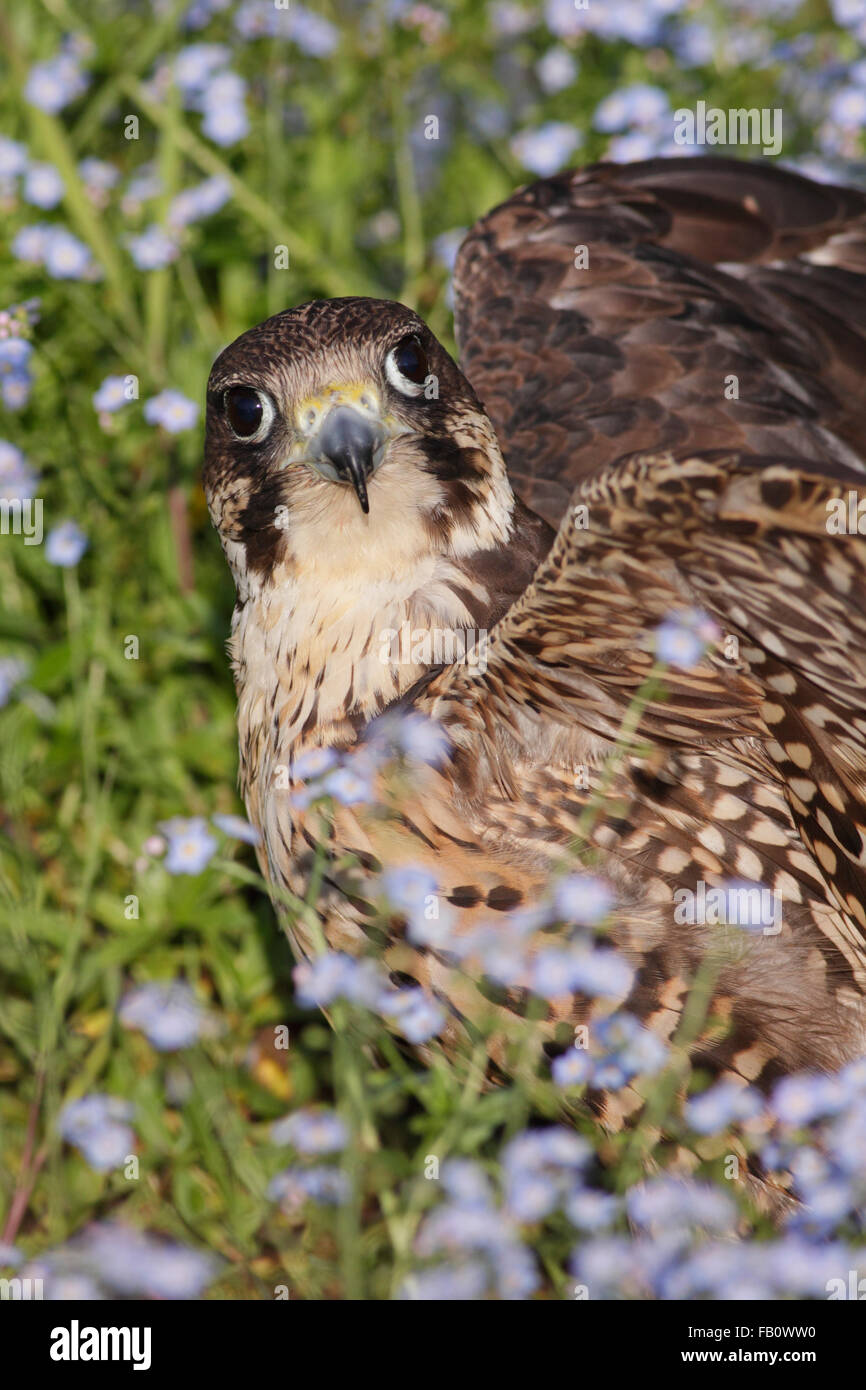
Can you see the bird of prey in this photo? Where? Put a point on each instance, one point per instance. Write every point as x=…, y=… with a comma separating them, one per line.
x=671, y=358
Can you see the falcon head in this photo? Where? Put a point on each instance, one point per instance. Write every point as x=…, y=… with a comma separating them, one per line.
x=343, y=426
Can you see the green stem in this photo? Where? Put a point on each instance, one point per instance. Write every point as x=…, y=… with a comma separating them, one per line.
x=51, y=139
x=409, y=203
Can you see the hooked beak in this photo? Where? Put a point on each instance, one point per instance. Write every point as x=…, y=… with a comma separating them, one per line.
x=349, y=449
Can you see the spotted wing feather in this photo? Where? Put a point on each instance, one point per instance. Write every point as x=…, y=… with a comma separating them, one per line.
x=749, y=544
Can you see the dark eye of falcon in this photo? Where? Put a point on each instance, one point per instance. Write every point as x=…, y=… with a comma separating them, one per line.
x=250, y=413
x=406, y=366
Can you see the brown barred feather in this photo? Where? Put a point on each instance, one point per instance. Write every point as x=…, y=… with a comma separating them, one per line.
x=604, y=387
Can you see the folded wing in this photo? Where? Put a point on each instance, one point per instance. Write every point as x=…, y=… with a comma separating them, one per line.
x=756, y=545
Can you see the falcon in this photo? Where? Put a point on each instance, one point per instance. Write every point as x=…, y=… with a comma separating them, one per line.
x=671, y=358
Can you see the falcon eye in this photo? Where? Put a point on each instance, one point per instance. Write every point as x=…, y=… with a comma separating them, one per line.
x=406, y=366
x=249, y=413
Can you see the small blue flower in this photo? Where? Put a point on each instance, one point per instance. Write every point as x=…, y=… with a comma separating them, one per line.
x=547, y=149
x=169, y=1014
x=635, y=146
x=334, y=975
x=30, y=243
x=683, y=637
x=153, y=249
x=639, y=104
x=256, y=19
x=592, y=1211
x=601, y=973
x=313, y=34
x=13, y=670
x=137, y=1264
x=573, y=1068
x=722, y=1105
x=201, y=12
x=98, y=176
x=554, y=1146
x=516, y=1272
x=609, y=1074
x=413, y=736
x=190, y=846
x=635, y=20
x=556, y=70
x=466, y=1182
x=804, y=1097
x=295, y=1186
x=15, y=379
x=223, y=89
x=314, y=763
x=582, y=898
x=309, y=776
x=853, y=1076
x=17, y=478
x=201, y=201
x=553, y=972
x=810, y=1169
x=174, y=1271
x=847, y=108
x=237, y=828
x=13, y=158
x=72, y=1288
x=472, y=1233
x=849, y=13
x=531, y=1195
x=418, y=1017
x=665, y=1203
x=827, y=1206
x=351, y=786
x=312, y=1132
x=172, y=410
x=143, y=186
x=65, y=545
x=15, y=354
x=225, y=125
x=325, y=978
x=432, y=926
x=16, y=389
x=456, y=1226
x=65, y=257
x=677, y=646
x=604, y=1264
x=10, y=1256
x=526, y=921
x=54, y=84
x=694, y=44
x=194, y=66
x=561, y=17
x=96, y=1126
x=43, y=186
x=408, y=887
x=504, y=962
x=111, y=395
x=462, y=1283
x=628, y=1045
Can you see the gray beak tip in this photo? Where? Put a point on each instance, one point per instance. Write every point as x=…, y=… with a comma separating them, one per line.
x=350, y=444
